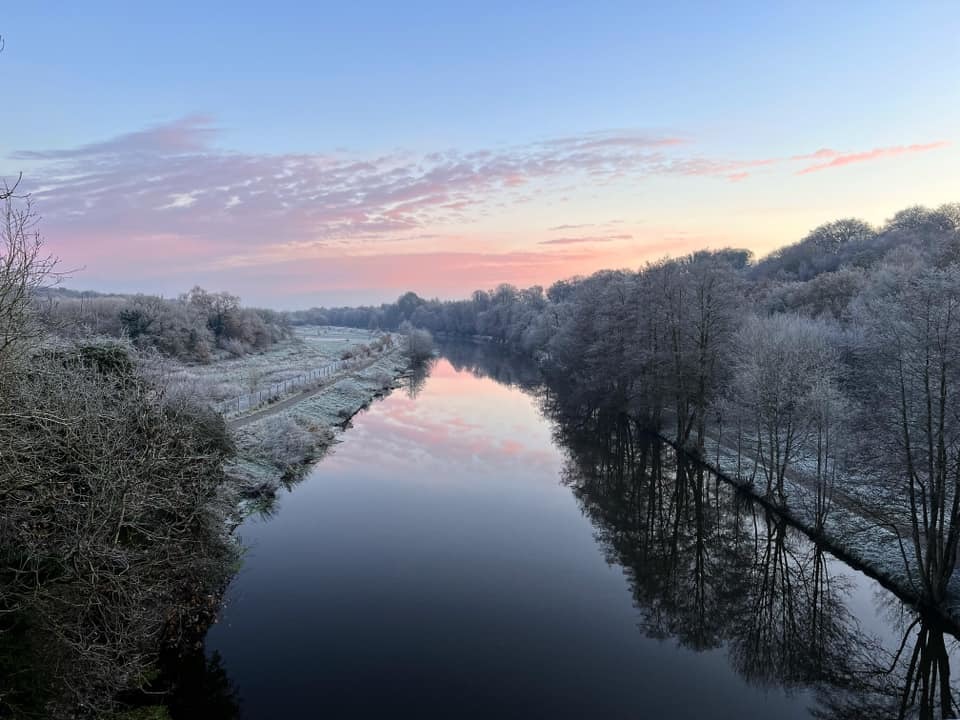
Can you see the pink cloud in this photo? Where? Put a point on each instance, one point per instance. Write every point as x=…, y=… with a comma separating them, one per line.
x=167, y=194
x=838, y=159
x=444, y=273
x=586, y=239
x=817, y=155
x=170, y=179
x=162, y=208
x=308, y=274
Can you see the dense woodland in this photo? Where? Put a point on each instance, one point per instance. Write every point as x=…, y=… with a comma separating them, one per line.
x=837, y=356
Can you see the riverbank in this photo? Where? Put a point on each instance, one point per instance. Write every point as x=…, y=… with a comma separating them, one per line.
x=283, y=407
x=867, y=523
x=274, y=446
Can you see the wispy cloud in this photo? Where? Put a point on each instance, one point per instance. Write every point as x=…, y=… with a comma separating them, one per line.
x=834, y=158
x=172, y=179
x=112, y=201
x=615, y=139
x=817, y=155
x=187, y=135
x=169, y=199
x=571, y=227
x=585, y=239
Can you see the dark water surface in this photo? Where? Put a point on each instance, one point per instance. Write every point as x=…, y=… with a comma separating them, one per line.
x=462, y=554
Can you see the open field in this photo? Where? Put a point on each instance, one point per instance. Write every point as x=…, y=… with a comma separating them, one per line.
x=228, y=377
x=293, y=397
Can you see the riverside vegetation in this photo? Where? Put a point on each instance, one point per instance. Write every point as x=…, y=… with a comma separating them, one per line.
x=118, y=482
x=111, y=506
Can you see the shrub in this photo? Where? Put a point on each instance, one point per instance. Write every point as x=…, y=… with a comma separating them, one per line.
x=419, y=345
x=112, y=526
x=287, y=444
x=236, y=348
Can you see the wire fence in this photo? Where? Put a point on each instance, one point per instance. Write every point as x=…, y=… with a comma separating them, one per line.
x=255, y=399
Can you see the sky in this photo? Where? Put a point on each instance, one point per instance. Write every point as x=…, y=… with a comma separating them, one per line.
x=303, y=154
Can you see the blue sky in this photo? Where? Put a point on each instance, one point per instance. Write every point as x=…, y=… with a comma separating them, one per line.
x=738, y=83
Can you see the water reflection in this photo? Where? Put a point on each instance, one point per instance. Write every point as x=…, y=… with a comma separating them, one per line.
x=415, y=379
x=711, y=568
x=432, y=566
x=203, y=688
x=488, y=360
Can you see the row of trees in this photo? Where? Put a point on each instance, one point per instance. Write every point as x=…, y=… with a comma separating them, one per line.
x=190, y=327
x=831, y=357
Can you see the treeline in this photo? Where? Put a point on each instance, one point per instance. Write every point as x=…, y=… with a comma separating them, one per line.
x=834, y=358
x=190, y=327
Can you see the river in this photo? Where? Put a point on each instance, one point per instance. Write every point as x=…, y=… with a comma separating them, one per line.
x=468, y=550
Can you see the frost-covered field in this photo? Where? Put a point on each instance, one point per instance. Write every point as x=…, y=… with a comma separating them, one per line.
x=274, y=442
x=229, y=377
x=282, y=443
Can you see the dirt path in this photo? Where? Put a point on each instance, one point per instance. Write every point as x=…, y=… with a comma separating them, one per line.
x=278, y=407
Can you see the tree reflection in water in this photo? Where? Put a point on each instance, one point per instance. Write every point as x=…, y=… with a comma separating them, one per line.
x=911, y=682
x=416, y=377
x=712, y=568
x=489, y=360
x=707, y=567
x=203, y=688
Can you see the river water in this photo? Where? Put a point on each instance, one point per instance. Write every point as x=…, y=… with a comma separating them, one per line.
x=472, y=550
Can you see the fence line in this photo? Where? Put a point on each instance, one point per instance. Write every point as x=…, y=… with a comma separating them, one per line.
x=255, y=399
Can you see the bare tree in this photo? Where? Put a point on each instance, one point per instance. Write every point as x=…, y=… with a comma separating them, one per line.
x=828, y=411
x=784, y=374
x=24, y=268
x=913, y=343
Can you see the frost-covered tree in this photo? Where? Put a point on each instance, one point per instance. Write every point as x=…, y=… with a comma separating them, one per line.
x=784, y=381
x=25, y=268
x=911, y=369
x=417, y=342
